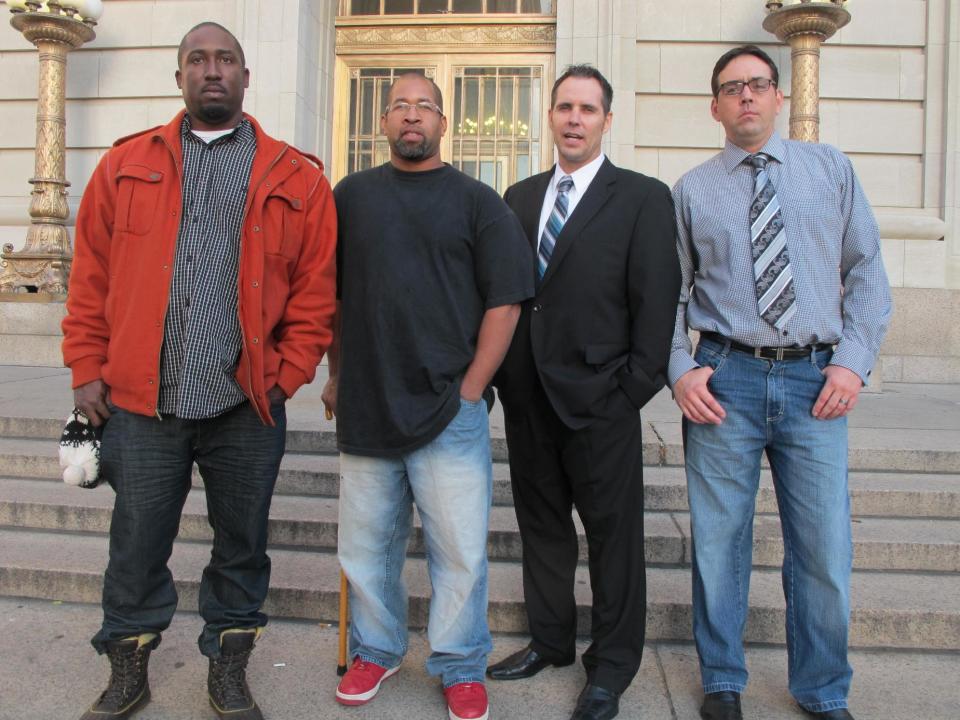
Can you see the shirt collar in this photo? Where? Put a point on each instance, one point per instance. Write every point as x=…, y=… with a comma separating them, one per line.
x=733, y=155
x=582, y=177
x=243, y=132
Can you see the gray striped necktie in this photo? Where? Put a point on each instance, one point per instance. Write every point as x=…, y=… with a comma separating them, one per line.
x=773, y=278
x=551, y=231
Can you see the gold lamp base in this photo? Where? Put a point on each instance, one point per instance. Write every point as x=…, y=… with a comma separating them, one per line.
x=805, y=26
x=40, y=271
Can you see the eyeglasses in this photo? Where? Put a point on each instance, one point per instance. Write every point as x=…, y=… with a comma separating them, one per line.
x=421, y=108
x=735, y=87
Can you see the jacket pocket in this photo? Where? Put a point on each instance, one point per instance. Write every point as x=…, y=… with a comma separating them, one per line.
x=138, y=196
x=284, y=224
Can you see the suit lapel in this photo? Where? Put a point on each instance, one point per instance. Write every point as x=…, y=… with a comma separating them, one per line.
x=596, y=197
x=532, y=209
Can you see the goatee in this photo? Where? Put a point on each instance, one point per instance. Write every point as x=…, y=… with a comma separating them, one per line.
x=213, y=113
x=411, y=151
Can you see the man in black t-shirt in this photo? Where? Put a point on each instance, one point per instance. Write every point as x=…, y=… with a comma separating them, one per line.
x=432, y=268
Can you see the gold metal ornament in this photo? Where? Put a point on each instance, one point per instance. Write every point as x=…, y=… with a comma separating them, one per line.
x=40, y=271
x=805, y=26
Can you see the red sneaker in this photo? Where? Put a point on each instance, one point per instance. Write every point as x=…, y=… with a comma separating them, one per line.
x=467, y=701
x=361, y=682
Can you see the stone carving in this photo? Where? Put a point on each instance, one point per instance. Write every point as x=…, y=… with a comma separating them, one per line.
x=433, y=35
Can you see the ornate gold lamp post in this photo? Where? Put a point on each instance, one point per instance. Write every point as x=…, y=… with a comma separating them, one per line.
x=40, y=270
x=805, y=25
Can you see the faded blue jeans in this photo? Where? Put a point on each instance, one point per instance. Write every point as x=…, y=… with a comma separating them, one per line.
x=768, y=405
x=451, y=481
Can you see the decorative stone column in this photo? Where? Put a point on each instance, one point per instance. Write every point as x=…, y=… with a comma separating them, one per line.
x=805, y=25
x=39, y=272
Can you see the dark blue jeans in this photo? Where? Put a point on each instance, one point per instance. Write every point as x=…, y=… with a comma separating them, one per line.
x=148, y=462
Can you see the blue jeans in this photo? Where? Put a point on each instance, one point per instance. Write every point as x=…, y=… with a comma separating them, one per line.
x=451, y=481
x=768, y=405
x=148, y=462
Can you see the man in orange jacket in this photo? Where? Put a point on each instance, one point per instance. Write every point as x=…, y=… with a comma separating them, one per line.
x=201, y=298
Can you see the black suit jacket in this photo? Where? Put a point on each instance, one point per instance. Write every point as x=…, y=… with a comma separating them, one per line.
x=600, y=325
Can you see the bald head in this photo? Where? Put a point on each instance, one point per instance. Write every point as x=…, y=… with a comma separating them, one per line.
x=414, y=75
x=184, y=43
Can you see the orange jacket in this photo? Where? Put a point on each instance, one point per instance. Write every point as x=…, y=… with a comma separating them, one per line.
x=124, y=247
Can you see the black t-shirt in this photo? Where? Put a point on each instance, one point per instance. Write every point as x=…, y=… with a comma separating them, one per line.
x=421, y=256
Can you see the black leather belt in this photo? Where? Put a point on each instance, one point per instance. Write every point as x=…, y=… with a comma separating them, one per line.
x=767, y=353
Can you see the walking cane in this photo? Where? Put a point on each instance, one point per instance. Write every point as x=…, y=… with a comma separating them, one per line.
x=344, y=605
x=342, y=650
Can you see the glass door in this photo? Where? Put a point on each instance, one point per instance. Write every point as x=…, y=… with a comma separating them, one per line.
x=495, y=123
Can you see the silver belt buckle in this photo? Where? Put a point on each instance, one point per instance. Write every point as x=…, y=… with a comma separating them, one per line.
x=758, y=353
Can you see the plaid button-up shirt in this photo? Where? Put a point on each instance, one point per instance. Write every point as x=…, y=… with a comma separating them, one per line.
x=202, y=336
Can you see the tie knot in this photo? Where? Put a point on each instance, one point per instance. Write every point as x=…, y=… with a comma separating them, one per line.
x=759, y=161
x=566, y=182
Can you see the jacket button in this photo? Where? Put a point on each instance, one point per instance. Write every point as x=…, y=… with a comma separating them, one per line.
x=166, y=267
x=538, y=307
x=255, y=283
x=256, y=228
x=255, y=341
x=149, y=382
x=293, y=162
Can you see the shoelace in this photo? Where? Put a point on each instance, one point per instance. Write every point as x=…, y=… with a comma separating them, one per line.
x=230, y=678
x=124, y=668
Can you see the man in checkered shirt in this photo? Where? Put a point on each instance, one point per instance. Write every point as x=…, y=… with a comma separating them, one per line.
x=782, y=276
x=201, y=298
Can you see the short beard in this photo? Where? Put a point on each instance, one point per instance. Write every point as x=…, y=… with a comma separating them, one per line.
x=411, y=151
x=213, y=113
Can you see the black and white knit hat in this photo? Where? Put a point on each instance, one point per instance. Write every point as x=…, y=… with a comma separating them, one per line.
x=80, y=451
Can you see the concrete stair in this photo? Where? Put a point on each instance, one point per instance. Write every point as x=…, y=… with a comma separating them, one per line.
x=905, y=500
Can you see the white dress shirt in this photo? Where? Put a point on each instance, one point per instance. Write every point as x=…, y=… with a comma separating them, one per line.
x=581, y=181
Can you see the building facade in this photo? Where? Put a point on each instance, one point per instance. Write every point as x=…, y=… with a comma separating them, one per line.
x=889, y=86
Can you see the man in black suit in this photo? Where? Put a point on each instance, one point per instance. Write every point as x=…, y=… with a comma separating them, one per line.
x=591, y=348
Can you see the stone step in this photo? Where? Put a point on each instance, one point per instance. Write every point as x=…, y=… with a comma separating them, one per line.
x=311, y=523
x=908, y=495
x=897, y=610
x=876, y=449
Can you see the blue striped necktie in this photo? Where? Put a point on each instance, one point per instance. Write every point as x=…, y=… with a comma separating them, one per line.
x=551, y=231
x=773, y=278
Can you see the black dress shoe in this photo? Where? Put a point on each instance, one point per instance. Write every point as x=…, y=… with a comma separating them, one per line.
x=723, y=705
x=522, y=664
x=596, y=703
x=838, y=714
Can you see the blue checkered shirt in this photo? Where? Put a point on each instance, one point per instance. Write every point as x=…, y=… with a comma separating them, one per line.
x=202, y=337
x=843, y=296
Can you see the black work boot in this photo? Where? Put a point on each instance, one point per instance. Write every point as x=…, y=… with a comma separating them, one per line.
x=227, y=682
x=128, y=690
